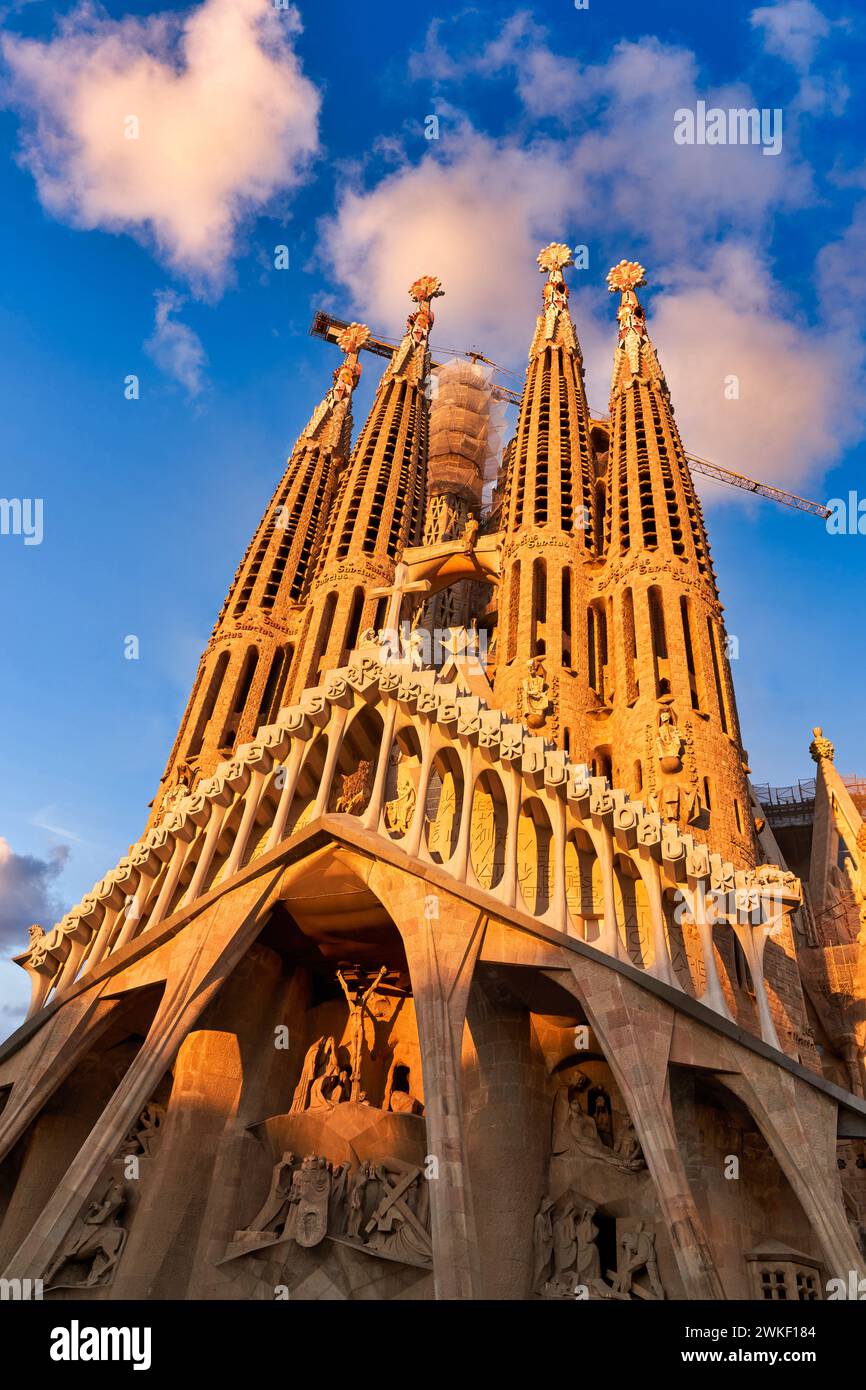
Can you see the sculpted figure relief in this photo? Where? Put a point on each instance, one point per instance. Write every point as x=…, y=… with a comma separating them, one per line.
x=565, y=1236
x=358, y=1012
x=535, y=694
x=383, y=1207
x=669, y=742
x=636, y=1253
x=98, y=1241
x=400, y=811
x=143, y=1136
x=470, y=533
x=577, y=1133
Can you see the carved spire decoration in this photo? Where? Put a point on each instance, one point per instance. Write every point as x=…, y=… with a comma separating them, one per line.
x=821, y=748
x=554, y=325
x=350, y=340
x=414, y=348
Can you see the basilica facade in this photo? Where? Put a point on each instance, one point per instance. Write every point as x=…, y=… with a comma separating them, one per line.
x=459, y=957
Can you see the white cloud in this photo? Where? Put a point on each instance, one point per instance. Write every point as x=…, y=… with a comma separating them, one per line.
x=475, y=210
x=792, y=30
x=225, y=119
x=175, y=348
x=28, y=892
x=786, y=422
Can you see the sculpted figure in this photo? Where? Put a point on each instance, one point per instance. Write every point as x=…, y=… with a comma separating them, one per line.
x=637, y=1251
x=308, y=1072
x=145, y=1132
x=357, y=1200
x=357, y=1012
x=310, y=1225
x=564, y=1247
x=274, y=1214
x=542, y=1241
x=99, y=1239
x=354, y=789
x=575, y=1133
x=536, y=695
x=669, y=742
x=470, y=533
x=398, y=1225
x=400, y=811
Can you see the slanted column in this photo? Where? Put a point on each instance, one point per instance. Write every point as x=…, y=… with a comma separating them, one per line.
x=753, y=941
x=334, y=733
x=461, y=853
x=713, y=995
x=560, y=918
x=661, y=966
x=412, y=842
x=609, y=938
x=441, y=951
x=513, y=786
x=635, y=1031
x=259, y=760
x=373, y=813
x=205, y=954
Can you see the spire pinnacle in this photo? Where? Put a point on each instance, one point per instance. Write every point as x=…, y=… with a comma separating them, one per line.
x=554, y=325
x=633, y=342
x=416, y=339
x=350, y=340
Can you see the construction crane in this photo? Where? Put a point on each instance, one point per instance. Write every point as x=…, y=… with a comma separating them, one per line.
x=327, y=327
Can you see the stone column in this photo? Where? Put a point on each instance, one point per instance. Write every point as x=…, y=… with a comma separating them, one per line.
x=441, y=951
x=205, y=954
x=635, y=1031
x=799, y=1124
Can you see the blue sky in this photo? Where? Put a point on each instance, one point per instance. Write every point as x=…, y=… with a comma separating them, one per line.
x=262, y=126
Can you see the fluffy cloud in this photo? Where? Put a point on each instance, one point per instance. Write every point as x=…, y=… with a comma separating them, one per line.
x=175, y=348
x=792, y=30
x=785, y=417
x=475, y=210
x=28, y=892
x=222, y=117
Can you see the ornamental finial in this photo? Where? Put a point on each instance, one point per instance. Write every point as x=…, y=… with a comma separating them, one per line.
x=426, y=287
x=353, y=337
x=821, y=747
x=555, y=257
x=628, y=275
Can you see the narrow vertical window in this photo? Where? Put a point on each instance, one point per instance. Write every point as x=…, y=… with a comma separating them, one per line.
x=717, y=675
x=354, y=625
x=629, y=643
x=691, y=656
x=514, y=612
x=566, y=616
x=208, y=704
x=539, y=608
x=658, y=634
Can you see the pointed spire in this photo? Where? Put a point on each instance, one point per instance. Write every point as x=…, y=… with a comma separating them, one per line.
x=250, y=651
x=379, y=505
x=554, y=326
x=370, y=514
x=412, y=358
x=550, y=474
x=635, y=355
x=328, y=421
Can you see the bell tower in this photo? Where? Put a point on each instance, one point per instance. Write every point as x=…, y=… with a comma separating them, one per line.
x=548, y=516
x=379, y=506
x=657, y=646
x=243, y=671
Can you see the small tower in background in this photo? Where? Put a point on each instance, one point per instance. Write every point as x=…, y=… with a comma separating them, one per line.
x=379, y=507
x=243, y=671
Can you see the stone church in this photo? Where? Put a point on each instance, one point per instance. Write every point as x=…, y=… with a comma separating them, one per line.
x=459, y=957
